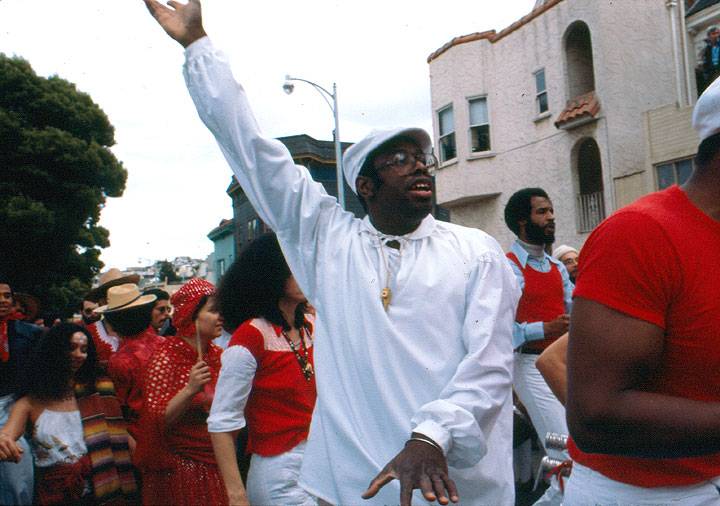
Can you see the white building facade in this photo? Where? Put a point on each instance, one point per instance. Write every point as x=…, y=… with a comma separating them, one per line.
x=588, y=99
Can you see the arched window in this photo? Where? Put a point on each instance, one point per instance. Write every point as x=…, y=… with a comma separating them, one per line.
x=590, y=198
x=579, y=60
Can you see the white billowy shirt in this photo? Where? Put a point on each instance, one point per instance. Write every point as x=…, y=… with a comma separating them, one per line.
x=437, y=362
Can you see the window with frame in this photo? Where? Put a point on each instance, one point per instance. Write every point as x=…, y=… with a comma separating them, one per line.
x=479, y=125
x=671, y=173
x=221, y=267
x=254, y=229
x=541, y=96
x=446, y=120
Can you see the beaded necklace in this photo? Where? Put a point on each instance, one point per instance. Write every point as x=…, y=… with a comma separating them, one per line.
x=305, y=366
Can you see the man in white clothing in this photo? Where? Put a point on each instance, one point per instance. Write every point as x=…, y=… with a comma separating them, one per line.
x=414, y=341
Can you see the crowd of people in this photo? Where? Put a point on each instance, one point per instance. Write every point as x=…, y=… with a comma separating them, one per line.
x=429, y=339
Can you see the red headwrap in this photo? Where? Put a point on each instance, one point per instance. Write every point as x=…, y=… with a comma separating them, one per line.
x=185, y=302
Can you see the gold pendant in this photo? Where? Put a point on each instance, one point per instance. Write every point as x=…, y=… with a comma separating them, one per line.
x=386, y=296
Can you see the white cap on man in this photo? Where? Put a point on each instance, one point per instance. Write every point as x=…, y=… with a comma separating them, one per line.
x=706, y=116
x=355, y=156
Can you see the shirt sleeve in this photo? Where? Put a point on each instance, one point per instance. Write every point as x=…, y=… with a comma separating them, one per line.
x=524, y=331
x=284, y=194
x=233, y=389
x=636, y=277
x=568, y=287
x=469, y=405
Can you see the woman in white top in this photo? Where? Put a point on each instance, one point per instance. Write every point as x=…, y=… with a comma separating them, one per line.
x=65, y=403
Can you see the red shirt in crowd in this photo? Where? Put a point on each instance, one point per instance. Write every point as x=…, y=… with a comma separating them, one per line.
x=126, y=368
x=656, y=260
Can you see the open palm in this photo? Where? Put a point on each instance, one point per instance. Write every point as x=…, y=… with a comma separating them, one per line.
x=183, y=22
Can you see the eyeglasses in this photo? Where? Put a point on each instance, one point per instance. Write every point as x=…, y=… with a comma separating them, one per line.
x=407, y=162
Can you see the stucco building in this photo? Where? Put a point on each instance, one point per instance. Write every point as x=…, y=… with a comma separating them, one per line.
x=589, y=99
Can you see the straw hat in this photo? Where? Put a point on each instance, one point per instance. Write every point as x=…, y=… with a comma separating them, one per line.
x=111, y=277
x=124, y=297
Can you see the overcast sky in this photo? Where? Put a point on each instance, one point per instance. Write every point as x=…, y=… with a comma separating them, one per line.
x=375, y=50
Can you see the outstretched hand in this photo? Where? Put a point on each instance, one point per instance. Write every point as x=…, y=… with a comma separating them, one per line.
x=182, y=22
x=418, y=465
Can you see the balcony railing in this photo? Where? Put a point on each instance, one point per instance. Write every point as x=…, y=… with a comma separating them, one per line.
x=590, y=210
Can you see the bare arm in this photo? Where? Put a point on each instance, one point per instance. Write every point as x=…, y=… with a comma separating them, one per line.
x=552, y=364
x=182, y=22
x=610, y=357
x=225, y=447
x=199, y=376
x=13, y=429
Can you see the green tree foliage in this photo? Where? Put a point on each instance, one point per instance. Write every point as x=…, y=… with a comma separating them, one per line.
x=167, y=272
x=56, y=170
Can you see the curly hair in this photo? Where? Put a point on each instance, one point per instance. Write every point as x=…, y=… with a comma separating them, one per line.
x=519, y=208
x=254, y=284
x=130, y=322
x=51, y=363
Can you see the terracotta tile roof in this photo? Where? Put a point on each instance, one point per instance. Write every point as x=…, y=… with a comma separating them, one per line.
x=492, y=35
x=583, y=107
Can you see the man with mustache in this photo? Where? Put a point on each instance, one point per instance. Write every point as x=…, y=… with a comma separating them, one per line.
x=542, y=315
x=413, y=341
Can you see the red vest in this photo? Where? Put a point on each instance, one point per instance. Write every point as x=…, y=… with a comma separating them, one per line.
x=542, y=300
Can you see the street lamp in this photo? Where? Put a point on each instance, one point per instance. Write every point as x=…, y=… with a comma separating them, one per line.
x=288, y=88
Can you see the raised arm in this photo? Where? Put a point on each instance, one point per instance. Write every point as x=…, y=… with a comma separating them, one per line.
x=283, y=194
x=182, y=22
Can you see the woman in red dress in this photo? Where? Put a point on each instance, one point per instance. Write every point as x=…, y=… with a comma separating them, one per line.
x=174, y=452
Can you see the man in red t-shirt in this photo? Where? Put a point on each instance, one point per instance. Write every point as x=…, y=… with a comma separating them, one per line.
x=644, y=349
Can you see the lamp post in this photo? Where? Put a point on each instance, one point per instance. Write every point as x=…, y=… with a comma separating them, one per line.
x=288, y=88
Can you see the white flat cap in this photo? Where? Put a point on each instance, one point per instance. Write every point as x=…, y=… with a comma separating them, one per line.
x=706, y=116
x=355, y=155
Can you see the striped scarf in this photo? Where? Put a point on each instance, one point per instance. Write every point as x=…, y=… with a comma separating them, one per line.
x=106, y=438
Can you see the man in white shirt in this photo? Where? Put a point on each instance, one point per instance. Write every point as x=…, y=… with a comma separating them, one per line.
x=413, y=346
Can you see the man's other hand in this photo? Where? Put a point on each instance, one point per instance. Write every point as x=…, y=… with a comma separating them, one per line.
x=182, y=22
x=418, y=465
x=557, y=327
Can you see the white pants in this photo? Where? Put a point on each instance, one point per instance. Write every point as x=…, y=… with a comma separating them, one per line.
x=546, y=413
x=587, y=487
x=16, y=480
x=273, y=481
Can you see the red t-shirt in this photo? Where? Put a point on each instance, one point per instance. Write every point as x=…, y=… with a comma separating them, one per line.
x=279, y=409
x=126, y=368
x=656, y=260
